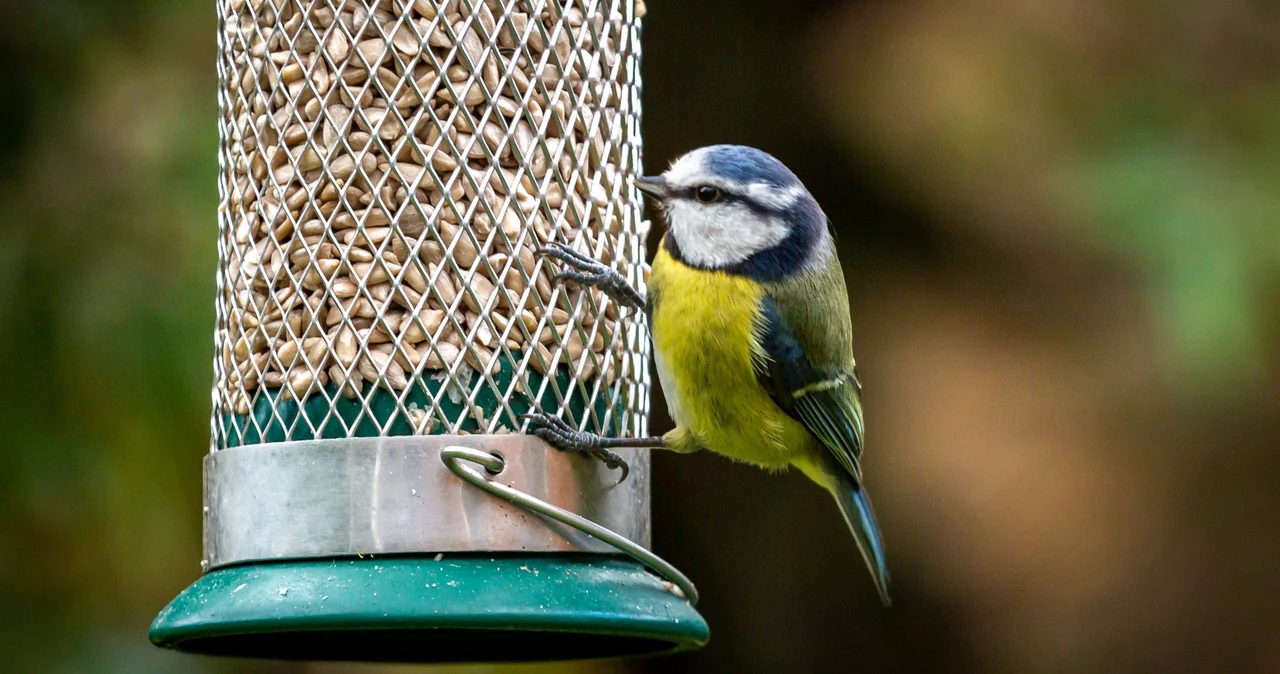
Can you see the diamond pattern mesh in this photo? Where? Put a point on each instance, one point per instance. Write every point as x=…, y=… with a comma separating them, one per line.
x=387, y=168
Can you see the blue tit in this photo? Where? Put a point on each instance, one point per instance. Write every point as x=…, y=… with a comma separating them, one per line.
x=751, y=331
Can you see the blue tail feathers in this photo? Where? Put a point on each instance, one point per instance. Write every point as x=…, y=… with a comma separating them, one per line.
x=855, y=505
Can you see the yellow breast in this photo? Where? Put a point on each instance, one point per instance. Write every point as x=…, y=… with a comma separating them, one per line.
x=705, y=345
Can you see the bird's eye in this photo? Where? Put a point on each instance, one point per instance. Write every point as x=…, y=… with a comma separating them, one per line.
x=708, y=194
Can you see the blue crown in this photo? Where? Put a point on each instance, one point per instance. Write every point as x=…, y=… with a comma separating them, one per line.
x=745, y=165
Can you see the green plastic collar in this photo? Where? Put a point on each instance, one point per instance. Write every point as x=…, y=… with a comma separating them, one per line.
x=420, y=609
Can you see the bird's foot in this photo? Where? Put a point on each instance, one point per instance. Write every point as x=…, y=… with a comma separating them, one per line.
x=566, y=438
x=588, y=271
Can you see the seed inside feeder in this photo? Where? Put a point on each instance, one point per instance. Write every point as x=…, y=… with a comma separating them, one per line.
x=389, y=168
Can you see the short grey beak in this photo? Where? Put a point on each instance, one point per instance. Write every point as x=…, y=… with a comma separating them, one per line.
x=654, y=186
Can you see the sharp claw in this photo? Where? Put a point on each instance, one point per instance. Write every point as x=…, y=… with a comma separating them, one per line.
x=615, y=462
x=562, y=436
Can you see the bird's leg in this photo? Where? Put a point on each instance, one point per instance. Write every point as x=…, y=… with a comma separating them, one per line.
x=588, y=271
x=566, y=438
x=585, y=270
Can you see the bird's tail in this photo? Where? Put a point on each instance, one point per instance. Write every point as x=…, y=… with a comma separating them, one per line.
x=855, y=505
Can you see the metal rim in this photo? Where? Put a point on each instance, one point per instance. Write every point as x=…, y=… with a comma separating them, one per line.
x=328, y=498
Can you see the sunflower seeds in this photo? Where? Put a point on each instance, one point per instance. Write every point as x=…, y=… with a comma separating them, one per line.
x=380, y=220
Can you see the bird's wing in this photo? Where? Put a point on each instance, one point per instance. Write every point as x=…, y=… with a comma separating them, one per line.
x=827, y=401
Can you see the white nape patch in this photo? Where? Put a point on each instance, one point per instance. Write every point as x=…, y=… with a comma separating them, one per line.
x=777, y=198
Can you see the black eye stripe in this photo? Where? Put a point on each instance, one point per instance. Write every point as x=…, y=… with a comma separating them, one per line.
x=682, y=193
x=726, y=197
x=692, y=193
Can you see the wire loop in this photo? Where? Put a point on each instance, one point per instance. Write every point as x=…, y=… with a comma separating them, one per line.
x=452, y=456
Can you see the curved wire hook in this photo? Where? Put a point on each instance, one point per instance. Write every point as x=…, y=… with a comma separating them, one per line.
x=494, y=465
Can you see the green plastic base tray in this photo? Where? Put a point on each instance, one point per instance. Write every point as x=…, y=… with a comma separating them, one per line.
x=420, y=609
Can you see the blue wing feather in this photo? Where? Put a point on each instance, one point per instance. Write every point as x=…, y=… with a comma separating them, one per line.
x=827, y=403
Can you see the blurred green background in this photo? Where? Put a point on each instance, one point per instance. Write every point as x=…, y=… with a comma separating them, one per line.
x=1061, y=227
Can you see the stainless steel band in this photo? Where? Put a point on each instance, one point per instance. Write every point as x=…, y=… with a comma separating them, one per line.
x=324, y=498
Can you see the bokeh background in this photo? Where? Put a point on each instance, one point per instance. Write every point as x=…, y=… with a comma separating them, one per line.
x=1060, y=223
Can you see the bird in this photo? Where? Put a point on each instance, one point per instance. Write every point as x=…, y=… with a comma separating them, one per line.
x=753, y=342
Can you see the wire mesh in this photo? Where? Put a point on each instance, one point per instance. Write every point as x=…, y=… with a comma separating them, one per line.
x=387, y=169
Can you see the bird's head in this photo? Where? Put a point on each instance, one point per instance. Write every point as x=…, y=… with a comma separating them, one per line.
x=738, y=209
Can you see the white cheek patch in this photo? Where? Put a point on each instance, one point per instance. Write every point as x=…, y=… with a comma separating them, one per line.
x=722, y=234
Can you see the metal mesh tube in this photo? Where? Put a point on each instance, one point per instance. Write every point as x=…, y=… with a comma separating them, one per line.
x=387, y=169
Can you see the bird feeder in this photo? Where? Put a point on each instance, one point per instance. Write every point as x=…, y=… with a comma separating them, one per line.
x=388, y=169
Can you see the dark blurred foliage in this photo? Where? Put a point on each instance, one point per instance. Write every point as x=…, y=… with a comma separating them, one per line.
x=1060, y=223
